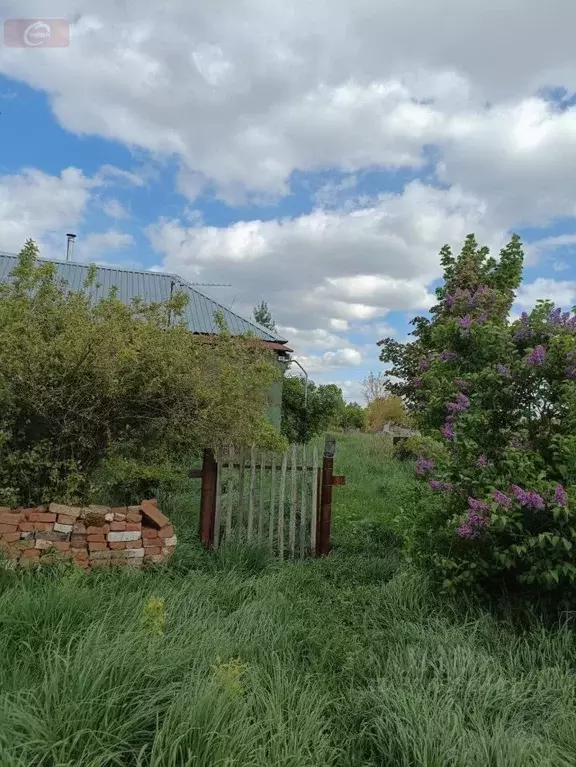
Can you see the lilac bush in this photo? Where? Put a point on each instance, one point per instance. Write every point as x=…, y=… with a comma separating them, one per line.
x=510, y=463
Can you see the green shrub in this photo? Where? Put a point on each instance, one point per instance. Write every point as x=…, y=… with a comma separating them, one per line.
x=502, y=398
x=82, y=380
x=412, y=447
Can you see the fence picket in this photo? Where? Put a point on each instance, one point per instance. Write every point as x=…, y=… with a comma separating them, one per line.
x=314, y=514
x=261, y=499
x=229, y=495
x=241, y=474
x=272, y=494
x=251, y=492
x=217, y=502
x=293, y=501
x=281, y=506
x=303, y=498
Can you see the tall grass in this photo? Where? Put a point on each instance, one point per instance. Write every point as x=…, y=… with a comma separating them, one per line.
x=350, y=661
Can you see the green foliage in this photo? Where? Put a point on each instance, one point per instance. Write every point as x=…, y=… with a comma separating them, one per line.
x=352, y=417
x=412, y=447
x=83, y=380
x=263, y=316
x=502, y=398
x=351, y=660
x=387, y=409
x=301, y=419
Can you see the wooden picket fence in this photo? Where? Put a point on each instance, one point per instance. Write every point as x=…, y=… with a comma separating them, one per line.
x=282, y=500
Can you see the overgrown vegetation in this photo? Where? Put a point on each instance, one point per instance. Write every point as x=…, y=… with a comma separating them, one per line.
x=83, y=382
x=501, y=396
x=233, y=660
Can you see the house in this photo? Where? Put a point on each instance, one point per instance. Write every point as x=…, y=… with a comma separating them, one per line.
x=199, y=313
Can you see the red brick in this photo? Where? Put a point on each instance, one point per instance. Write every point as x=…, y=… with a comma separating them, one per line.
x=97, y=547
x=153, y=551
x=149, y=543
x=79, y=528
x=10, y=537
x=149, y=532
x=26, y=527
x=43, y=527
x=133, y=527
x=65, y=520
x=8, y=529
x=41, y=516
x=93, y=530
x=31, y=554
x=61, y=545
x=96, y=538
x=133, y=516
x=80, y=539
x=119, y=510
x=80, y=556
x=152, y=513
x=166, y=532
x=11, y=519
x=117, y=527
x=134, y=544
x=117, y=545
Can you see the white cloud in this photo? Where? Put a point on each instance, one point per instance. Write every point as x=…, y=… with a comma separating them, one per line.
x=307, y=268
x=329, y=361
x=562, y=292
x=98, y=244
x=114, y=209
x=248, y=95
x=44, y=207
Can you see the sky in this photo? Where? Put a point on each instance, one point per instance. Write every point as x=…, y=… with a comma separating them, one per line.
x=314, y=154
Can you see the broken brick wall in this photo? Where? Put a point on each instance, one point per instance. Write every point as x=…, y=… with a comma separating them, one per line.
x=90, y=536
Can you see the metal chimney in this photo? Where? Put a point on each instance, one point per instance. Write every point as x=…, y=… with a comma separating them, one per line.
x=70, y=248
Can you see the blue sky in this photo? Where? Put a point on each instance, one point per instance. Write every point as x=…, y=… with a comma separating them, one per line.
x=316, y=157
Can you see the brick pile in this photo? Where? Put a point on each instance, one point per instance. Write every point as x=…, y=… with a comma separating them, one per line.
x=92, y=536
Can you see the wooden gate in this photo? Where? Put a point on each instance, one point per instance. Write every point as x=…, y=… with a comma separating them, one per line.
x=283, y=500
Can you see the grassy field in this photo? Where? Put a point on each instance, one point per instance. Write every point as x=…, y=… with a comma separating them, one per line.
x=351, y=661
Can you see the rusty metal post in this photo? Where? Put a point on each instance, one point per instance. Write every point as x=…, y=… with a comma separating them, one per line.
x=325, y=521
x=208, y=499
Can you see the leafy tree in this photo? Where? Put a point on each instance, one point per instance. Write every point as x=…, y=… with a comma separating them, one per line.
x=300, y=420
x=263, y=316
x=387, y=409
x=82, y=381
x=352, y=417
x=502, y=398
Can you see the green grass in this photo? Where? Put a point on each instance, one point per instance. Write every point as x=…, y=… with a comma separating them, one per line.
x=352, y=661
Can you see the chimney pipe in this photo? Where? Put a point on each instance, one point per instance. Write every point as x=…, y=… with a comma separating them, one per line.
x=70, y=247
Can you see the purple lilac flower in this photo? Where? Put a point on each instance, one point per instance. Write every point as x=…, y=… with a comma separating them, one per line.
x=501, y=499
x=447, y=356
x=503, y=370
x=536, y=357
x=460, y=383
x=466, y=531
x=462, y=403
x=477, y=505
x=524, y=332
x=529, y=499
x=482, y=461
x=447, y=431
x=571, y=372
x=424, y=465
x=482, y=318
x=424, y=365
x=446, y=487
x=417, y=383
x=464, y=322
x=560, y=496
x=449, y=300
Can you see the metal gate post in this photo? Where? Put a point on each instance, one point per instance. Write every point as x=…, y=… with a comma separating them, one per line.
x=325, y=520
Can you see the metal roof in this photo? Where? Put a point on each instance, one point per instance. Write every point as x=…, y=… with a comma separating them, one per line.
x=151, y=287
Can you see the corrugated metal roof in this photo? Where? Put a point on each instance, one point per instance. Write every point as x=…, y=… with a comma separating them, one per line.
x=150, y=287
